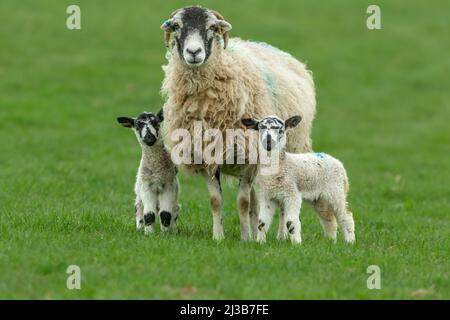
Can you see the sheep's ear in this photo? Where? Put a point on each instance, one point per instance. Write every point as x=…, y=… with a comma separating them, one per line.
x=126, y=122
x=250, y=123
x=292, y=122
x=160, y=115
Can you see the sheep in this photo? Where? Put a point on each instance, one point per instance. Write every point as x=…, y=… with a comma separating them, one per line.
x=315, y=177
x=218, y=83
x=157, y=184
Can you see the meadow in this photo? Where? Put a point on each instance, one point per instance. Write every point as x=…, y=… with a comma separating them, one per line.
x=67, y=168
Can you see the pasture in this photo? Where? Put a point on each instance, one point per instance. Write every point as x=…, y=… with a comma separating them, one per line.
x=67, y=169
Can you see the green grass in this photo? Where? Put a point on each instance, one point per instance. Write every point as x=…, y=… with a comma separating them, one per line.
x=67, y=169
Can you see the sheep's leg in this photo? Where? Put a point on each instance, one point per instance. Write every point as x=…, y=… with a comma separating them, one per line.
x=327, y=218
x=168, y=203
x=243, y=202
x=215, y=192
x=266, y=211
x=150, y=202
x=254, y=212
x=345, y=221
x=292, y=212
x=139, y=210
x=282, y=230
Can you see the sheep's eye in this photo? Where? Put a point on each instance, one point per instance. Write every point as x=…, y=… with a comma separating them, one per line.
x=175, y=26
x=213, y=28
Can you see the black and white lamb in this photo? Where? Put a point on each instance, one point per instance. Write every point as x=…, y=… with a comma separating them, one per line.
x=288, y=178
x=156, y=185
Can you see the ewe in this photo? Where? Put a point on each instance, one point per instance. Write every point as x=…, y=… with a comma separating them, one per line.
x=156, y=185
x=315, y=177
x=218, y=84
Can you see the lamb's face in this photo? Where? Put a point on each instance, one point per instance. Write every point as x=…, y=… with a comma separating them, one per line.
x=145, y=126
x=272, y=133
x=195, y=29
x=272, y=130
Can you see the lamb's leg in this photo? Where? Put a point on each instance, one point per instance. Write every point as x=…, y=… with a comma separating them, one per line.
x=266, y=211
x=215, y=192
x=254, y=212
x=243, y=202
x=345, y=221
x=327, y=218
x=139, y=210
x=150, y=202
x=168, y=203
x=292, y=214
x=282, y=230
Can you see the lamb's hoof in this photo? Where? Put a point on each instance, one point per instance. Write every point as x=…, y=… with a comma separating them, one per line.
x=350, y=240
x=164, y=230
x=261, y=238
x=148, y=230
x=282, y=237
x=173, y=229
x=218, y=236
x=139, y=224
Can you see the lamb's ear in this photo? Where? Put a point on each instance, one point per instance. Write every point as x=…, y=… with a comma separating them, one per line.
x=160, y=115
x=292, y=122
x=126, y=122
x=250, y=123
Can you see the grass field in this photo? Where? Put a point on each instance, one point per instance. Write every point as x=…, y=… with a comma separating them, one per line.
x=67, y=169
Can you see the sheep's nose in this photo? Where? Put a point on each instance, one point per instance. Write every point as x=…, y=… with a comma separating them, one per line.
x=194, y=52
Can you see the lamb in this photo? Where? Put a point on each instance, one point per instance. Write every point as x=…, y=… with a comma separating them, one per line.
x=218, y=83
x=314, y=177
x=157, y=184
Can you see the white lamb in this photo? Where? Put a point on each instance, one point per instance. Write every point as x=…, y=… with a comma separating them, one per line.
x=156, y=182
x=315, y=177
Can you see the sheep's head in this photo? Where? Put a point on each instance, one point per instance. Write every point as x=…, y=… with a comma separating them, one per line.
x=145, y=126
x=195, y=29
x=272, y=130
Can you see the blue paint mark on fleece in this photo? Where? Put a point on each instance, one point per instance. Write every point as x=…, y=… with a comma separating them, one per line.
x=270, y=82
x=320, y=155
x=269, y=79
